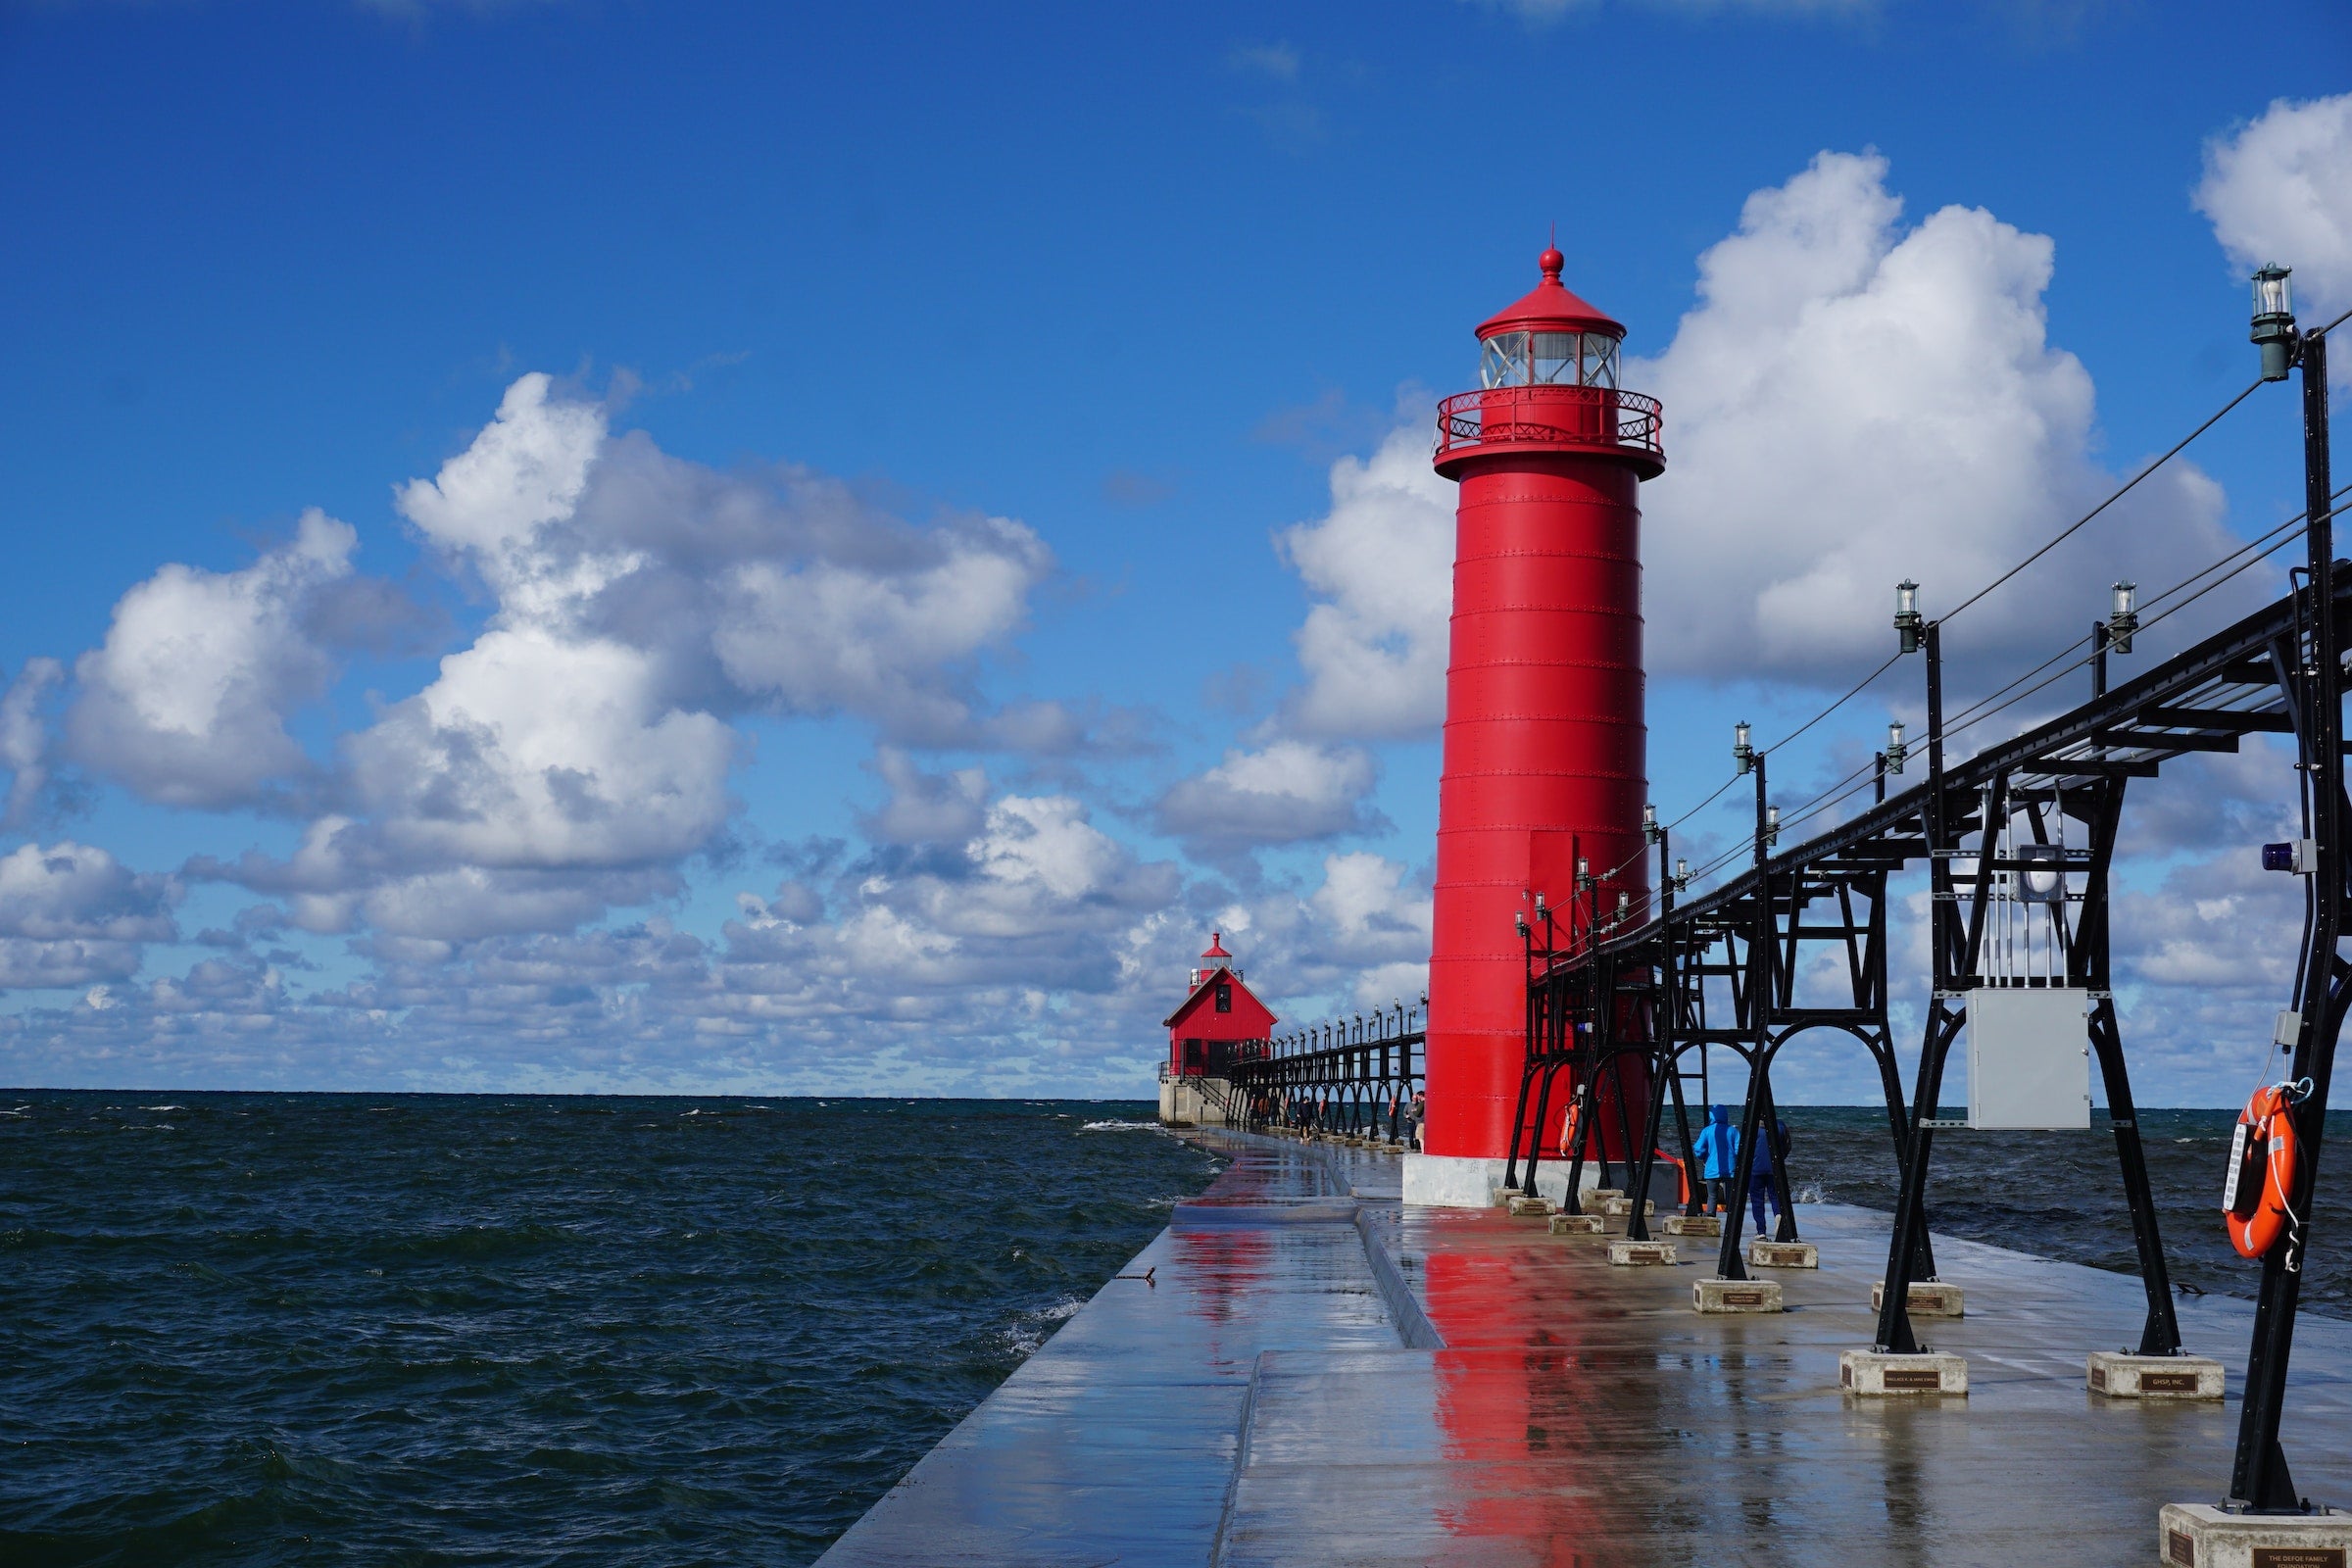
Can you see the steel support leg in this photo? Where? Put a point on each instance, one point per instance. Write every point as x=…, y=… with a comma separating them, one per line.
x=2160, y=1335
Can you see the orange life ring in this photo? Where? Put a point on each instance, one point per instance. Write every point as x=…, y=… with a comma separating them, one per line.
x=2256, y=1218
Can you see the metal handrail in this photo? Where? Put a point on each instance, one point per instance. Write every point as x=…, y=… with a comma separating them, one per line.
x=1550, y=416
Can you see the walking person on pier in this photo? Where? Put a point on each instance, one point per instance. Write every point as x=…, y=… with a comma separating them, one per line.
x=1718, y=1144
x=1772, y=1146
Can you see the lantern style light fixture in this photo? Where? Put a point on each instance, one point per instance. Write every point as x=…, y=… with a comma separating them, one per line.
x=1743, y=753
x=1681, y=873
x=1519, y=921
x=1897, y=751
x=2275, y=321
x=1907, y=624
x=1772, y=826
x=1539, y=906
x=2126, y=618
x=1649, y=823
x=1583, y=872
x=1625, y=906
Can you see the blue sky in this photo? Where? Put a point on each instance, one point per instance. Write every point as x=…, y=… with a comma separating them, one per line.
x=973, y=532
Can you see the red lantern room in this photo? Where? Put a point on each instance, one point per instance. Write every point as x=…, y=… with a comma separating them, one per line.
x=1544, y=751
x=1219, y=1012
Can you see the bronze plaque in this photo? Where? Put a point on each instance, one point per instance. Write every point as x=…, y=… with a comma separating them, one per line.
x=2298, y=1557
x=1905, y=1378
x=1743, y=1298
x=1845, y=1377
x=2180, y=1548
x=1920, y=1298
x=2098, y=1378
x=2172, y=1383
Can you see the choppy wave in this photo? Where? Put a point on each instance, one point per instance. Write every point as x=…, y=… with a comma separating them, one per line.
x=283, y=1323
x=1122, y=1127
x=2060, y=1195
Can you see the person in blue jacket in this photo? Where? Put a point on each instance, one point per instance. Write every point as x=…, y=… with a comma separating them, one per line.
x=1718, y=1146
x=1771, y=1143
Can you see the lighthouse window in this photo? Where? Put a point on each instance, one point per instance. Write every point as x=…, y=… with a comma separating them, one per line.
x=1548, y=359
x=1502, y=360
x=1555, y=359
x=1600, y=360
x=1224, y=997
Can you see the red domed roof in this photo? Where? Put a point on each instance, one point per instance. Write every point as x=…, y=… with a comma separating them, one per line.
x=1216, y=946
x=1549, y=308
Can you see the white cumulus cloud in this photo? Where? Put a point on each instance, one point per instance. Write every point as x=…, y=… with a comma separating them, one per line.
x=1381, y=564
x=1853, y=403
x=71, y=914
x=2279, y=189
x=186, y=702
x=1287, y=791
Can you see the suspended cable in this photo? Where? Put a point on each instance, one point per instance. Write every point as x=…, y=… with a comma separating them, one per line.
x=2129, y=486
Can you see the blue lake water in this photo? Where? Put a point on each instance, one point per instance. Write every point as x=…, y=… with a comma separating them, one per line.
x=266, y=1328
x=422, y=1330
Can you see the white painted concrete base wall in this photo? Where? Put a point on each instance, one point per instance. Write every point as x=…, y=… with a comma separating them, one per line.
x=1458, y=1180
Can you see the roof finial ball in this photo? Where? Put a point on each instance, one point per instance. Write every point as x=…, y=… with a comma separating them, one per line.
x=1551, y=260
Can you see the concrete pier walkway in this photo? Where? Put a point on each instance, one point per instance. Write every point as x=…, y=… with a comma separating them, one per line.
x=1314, y=1374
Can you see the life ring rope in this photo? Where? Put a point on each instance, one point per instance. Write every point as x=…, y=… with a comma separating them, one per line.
x=2267, y=1136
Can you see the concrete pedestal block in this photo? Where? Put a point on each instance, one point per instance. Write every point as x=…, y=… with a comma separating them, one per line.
x=1877, y=1374
x=1693, y=1225
x=1736, y=1296
x=2196, y=1534
x=1640, y=1254
x=1928, y=1299
x=1782, y=1254
x=1589, y=1198
x=1576, y=1224
x=1461, y=1181
x=1623, y=1208
x=2120, y=1376
x=1537, y=1206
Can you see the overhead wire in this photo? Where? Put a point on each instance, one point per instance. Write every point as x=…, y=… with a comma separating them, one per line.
x=2127, y=488
x=2000, y=698
x=1837, y=793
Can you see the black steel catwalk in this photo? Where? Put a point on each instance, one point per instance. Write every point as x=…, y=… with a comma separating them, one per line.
x=1722, y=970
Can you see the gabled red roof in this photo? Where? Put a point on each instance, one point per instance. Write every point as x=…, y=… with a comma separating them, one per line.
x=1207, y=980
x=1549, y=308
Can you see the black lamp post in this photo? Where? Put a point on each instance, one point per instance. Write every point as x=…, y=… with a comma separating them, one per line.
x=2259, y=1480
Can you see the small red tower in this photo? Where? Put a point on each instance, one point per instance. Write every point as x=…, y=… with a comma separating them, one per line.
x=1545, y=741
x=1219, y=1011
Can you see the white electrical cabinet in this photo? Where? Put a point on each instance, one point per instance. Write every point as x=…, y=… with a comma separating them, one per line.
x=2029, y=1057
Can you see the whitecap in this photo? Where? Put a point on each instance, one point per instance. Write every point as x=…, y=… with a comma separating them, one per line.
x=1120, y=1127
x=162, y=1107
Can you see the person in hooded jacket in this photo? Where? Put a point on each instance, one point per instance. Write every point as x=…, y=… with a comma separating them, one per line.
x=1772, y=1142
x=1717, y=1148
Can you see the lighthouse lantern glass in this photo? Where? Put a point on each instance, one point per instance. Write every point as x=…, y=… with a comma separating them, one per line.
x=1502, y=360
x=1600, y=360
x=1547, y=359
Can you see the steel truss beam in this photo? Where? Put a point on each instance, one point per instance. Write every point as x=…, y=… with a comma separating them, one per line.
x=1724, y=968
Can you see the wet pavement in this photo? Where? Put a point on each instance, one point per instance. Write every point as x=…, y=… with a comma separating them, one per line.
x=1256, y=1402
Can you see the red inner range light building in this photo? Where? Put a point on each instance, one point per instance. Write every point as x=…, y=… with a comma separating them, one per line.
x=1546, y=746
x=1219, y=1014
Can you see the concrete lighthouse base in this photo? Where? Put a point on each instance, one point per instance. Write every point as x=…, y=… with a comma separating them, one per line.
x=1461, y=1181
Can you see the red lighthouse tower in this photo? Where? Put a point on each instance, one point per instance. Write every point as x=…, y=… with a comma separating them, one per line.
x=1545, y=742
